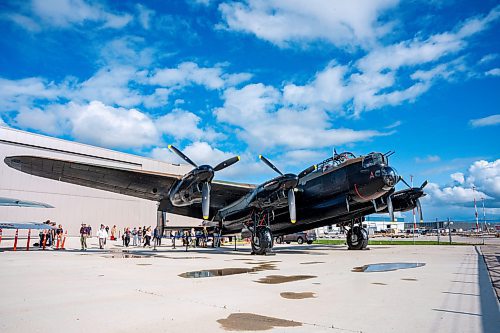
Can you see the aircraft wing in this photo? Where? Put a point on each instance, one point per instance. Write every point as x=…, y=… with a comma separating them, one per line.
x=23, y=203
x=24, y=225
x=137, y=183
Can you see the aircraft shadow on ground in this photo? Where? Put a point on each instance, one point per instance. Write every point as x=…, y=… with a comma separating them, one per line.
x=490, y=313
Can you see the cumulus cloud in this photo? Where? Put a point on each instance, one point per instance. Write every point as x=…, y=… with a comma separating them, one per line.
x=263, y=124
x=94, y=123
x=482, y=180
x=458, y=177
x=486, y=121
x=493, y=72
x=354, y=23
x=182, y=124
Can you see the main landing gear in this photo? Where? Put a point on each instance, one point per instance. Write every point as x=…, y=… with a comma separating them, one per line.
x=262, y=238
x=357, y=237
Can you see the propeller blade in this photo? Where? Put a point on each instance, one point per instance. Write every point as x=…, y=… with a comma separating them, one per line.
x=424, y=184
x=291, y=205
x=419, y=207
x=390, y=208
x=226, y=163
x=307, y=171
x=404, y=181
x=180, y=154
x=205, y=200
x=269, y=164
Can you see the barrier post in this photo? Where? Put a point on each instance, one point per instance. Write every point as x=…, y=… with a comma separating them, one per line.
x=15, y=239
x=64, y=240
x=28, y=242
x=58, y=240
x=44, y=239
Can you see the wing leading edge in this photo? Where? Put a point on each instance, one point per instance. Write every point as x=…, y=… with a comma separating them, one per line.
x=153, y=186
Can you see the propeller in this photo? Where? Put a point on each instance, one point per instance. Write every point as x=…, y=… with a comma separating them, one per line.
x=292, y=207
x=417, y=201
x=205, y=190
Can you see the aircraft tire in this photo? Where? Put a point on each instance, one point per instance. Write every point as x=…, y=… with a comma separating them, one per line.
x=262, y=241
x=360, y=239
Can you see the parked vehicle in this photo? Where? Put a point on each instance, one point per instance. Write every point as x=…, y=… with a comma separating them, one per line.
x=300, y=237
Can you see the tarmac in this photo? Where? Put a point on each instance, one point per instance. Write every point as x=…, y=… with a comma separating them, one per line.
x=307, y=288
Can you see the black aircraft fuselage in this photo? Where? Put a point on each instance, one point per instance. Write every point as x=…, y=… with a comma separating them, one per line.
x=339, y=190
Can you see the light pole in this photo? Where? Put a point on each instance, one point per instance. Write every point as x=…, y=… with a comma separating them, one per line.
x=475, y=209
x=484, y=216
x=414, y=219
x=449, y=228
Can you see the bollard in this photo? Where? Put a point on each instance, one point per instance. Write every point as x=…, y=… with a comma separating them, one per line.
x=28, y=242
x=44, y=239
x=64, y=240
x=58, y=240
x=15, y=239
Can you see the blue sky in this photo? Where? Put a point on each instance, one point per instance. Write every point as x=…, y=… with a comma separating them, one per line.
x=288, y=79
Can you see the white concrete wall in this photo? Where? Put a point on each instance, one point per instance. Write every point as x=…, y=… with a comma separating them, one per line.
x=76, y=204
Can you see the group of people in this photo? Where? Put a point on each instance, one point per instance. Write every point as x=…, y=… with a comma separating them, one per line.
x=140, y=236
x=49, y=237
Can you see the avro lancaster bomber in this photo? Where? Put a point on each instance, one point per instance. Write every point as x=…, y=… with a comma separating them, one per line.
x=340, y=190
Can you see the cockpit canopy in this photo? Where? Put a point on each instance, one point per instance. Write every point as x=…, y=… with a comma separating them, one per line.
x=374, y=159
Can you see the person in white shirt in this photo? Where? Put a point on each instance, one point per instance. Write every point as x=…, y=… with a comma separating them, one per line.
x=102, y=235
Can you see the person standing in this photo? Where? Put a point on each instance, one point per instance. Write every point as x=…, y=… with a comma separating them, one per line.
x=157, y=236
x=83, y=237
x=139, y=236
x=147, y=237
x=126, y=235
x=134, y=236
x=102, y=235
x=113, y=233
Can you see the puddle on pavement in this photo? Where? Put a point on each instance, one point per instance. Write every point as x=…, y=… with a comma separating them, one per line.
x=379, y=283
x=409, y=279
x=227, y=271
x=277, y=279
x=386, y=267
x=312, y=262
x=254, y=322
x=292, y=295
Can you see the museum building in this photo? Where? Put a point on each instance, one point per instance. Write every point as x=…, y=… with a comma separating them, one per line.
x=74, y=204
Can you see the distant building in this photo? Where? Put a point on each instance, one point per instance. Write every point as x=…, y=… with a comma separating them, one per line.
x=76, y=204
x=377, y=223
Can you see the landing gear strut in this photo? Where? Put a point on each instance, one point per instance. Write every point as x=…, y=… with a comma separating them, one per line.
x=262, y=238
x=357, y=237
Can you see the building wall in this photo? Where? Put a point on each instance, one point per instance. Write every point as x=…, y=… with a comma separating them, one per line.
x=76, y=204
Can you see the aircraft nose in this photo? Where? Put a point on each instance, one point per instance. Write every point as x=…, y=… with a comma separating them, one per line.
x=390, y=177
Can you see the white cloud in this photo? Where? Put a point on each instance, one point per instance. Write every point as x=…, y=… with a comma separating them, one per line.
x=486, y=121
x=262, y=124
x=493, y=72
x=453, y=195
x=145, y=15
x=188, y=73
x=94, y=123
x=64, y=13
x=181, y=124
x=482, y=175
x=24, y=21
x=428, y=159
x=354, y=23
x=458, y=177
x=485, y=176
